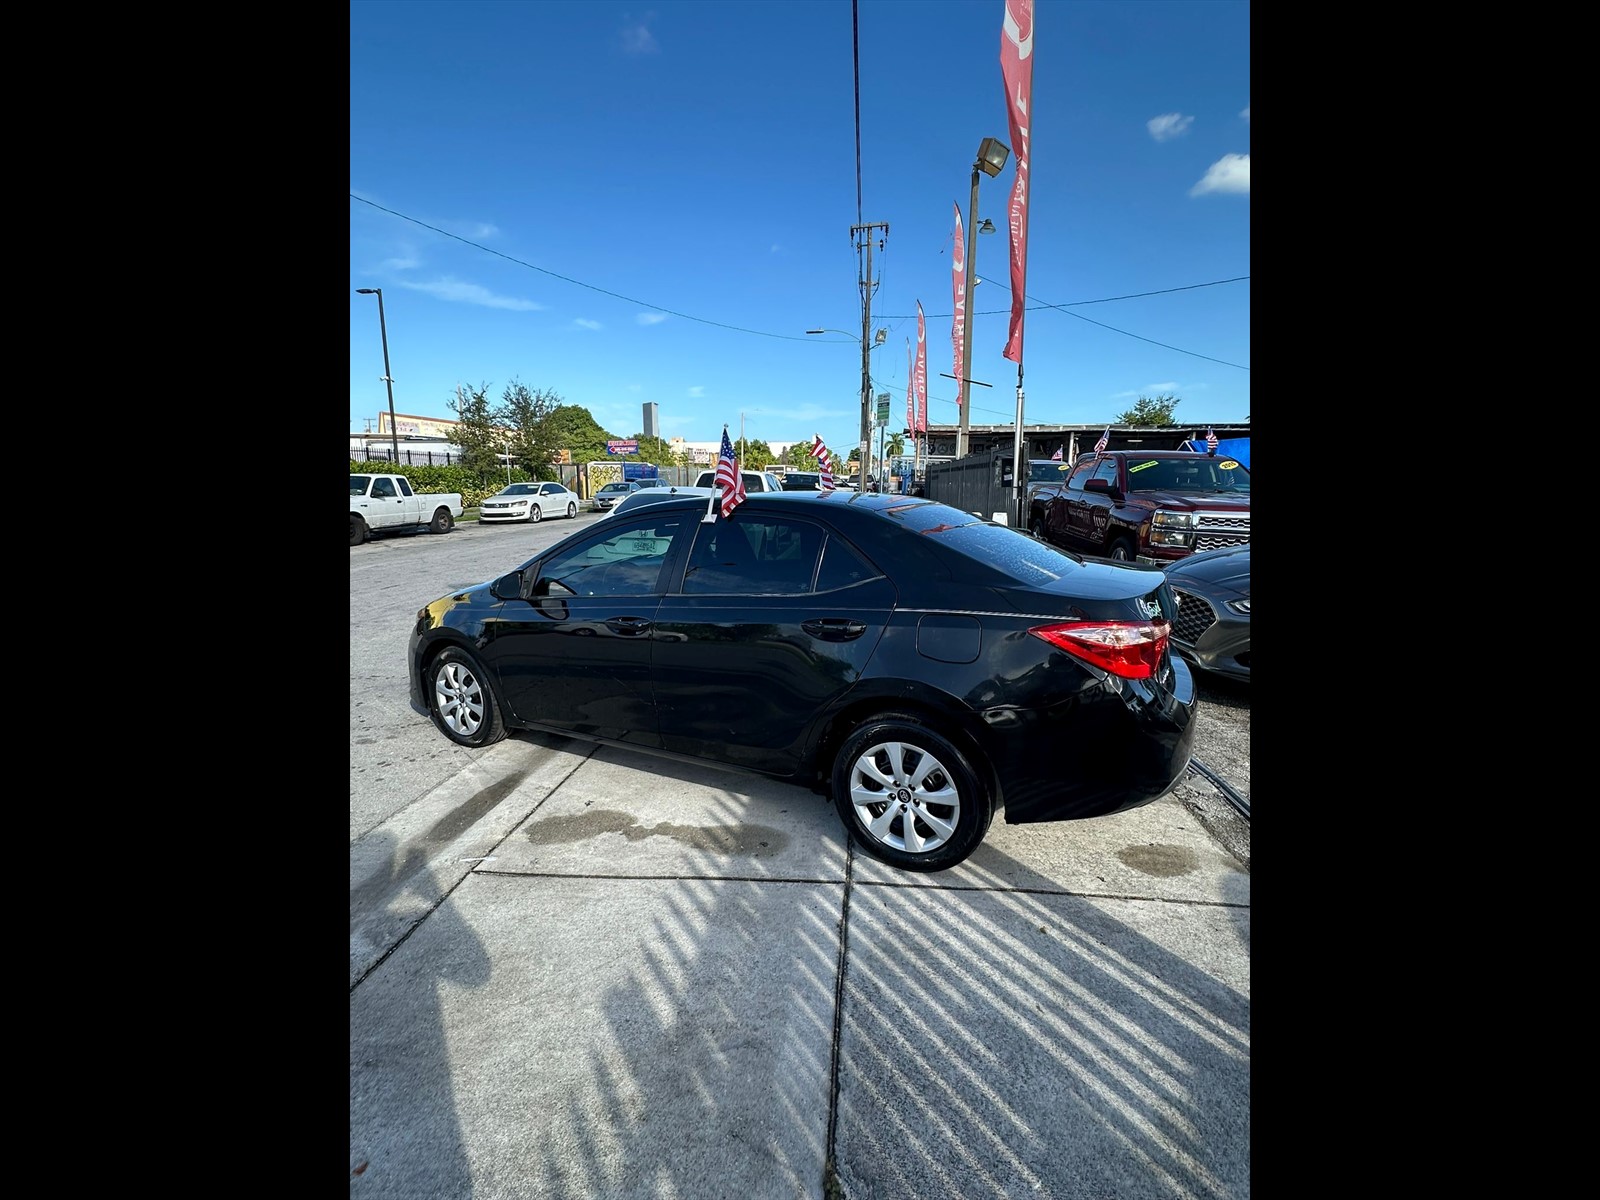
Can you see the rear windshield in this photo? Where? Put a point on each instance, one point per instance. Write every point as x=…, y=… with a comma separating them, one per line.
x=1008, y=552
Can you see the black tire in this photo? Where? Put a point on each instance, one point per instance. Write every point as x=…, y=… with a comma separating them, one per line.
x=950, y=810
x=1120, y=550
x=358, y=530
x=442, y=522
x=535, y=513
x=572, y=510
x=462, y=701
x=1036, y=526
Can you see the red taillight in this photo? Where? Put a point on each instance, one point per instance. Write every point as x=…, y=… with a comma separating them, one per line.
x=1131, y=649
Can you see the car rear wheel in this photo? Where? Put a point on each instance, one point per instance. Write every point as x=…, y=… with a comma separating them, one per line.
x=1120, y=550
x=358, y=531
x=572, y=510
x=535, y=513
x=908, y=796
x=442, y=521
x=461, y=700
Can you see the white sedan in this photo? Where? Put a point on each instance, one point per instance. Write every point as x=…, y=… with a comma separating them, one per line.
x=528, y=502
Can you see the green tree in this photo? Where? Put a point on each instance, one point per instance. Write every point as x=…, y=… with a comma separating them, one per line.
x=799, y=456
x=481, y=440
x=524, y=413
x=573, y=428
x=894, y=445
x=1148, y=413
x=754, y=455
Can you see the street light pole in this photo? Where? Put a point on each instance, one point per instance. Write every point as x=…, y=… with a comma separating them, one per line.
x=991, y=157
x=388, y=381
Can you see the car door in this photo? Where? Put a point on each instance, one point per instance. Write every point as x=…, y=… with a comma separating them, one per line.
x=386, y=508
x=772, y=623
x=575, y=653
x=1091, y=515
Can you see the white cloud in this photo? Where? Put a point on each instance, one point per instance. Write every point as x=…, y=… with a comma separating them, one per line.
x=1168, y=126
x=585, y=323
x=637, y=38
x=651, y=318
x=634, y=387
x=1229, y=174
x=459, y=292
x=1246, y=113
x=697, y=392
x=402, y=264
x=775, y=248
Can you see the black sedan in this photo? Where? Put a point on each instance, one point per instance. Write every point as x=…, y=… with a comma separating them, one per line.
x=922, y=666
x=1212, y=630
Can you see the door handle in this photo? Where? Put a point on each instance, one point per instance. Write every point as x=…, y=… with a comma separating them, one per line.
x=628, y=626
x=834, y=629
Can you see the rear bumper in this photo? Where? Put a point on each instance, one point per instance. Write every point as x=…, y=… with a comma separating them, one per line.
x=1120, y=748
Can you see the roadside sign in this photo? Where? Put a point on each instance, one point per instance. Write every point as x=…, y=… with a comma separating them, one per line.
x=622, y=447
x=883, y=408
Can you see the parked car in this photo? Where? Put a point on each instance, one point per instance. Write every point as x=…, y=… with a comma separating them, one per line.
x=609, y=495
x=922, y=667
x=754, y=481
x=1212, y=628
x=802, y=481
x=655, y=495
x=528, y=502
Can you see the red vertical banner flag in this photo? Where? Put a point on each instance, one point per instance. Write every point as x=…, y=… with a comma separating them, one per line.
x=958, y=294
x=1016, y=68
x=911, y=392
x=921, y=373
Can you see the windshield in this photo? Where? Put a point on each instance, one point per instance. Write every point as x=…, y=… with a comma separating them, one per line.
x=615, y=487
x=1203, y=475
x=520, y=489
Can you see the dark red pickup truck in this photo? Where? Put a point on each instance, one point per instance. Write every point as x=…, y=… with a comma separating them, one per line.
x=1154, y=507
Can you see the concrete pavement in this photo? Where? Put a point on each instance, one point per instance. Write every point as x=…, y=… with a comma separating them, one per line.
x=580, y=972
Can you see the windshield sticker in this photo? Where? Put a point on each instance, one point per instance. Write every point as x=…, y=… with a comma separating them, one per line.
x=1141, y=466
x=1228, y=465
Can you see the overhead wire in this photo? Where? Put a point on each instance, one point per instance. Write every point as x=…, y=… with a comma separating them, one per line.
x=897, y=317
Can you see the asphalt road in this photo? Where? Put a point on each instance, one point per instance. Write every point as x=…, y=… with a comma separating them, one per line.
x=577, y=971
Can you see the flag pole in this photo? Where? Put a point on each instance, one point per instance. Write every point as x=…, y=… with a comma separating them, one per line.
x=1018, y=517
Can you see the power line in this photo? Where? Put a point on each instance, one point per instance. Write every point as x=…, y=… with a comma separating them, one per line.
x=1041, y=304
x=784, y=337
x=577, y=282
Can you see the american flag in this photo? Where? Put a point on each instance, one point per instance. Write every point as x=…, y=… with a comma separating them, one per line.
x=1211, y=440
x=1056, y=457
x=729, y=482
x=1105, y=440
x=820, y=453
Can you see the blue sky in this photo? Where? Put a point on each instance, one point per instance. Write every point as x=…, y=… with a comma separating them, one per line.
x=635, y=202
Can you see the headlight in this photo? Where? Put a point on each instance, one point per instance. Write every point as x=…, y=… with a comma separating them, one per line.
x=1242, y=607
x=1171, y=528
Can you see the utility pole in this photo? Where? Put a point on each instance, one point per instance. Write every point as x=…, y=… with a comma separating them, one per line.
x=862, y=236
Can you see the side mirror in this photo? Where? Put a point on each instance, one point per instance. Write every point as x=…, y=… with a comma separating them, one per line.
x=507, y=587
x=1101, y=485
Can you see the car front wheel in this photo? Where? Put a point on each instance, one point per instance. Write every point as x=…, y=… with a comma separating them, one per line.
x=908, y=796
x=535, y=513
x=572, y=510
x=461, y=700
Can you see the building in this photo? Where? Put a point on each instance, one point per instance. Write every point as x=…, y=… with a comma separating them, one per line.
x=652, y=420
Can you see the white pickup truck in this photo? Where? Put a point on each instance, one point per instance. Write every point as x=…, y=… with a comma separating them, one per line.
x=383, y=503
